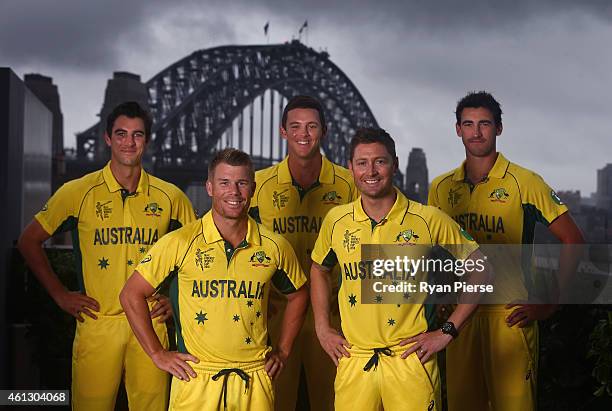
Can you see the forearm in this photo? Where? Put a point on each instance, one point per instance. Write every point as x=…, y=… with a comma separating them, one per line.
x=136, y=309
x=293, y=319
x=320, y=293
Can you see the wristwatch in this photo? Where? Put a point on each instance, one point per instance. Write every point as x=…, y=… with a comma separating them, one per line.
x=449, y=328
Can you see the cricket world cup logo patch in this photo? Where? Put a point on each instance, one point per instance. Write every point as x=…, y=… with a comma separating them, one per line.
x=260, y=259
x=331, y=197
x=203, y=259
x=103, y=210
x=280, y=200
x=499, y=195
x=407, y=237
x=351, y=241
x=454, y=196
x=153, y=209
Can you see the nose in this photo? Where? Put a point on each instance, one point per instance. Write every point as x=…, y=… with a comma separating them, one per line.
x=477, y=131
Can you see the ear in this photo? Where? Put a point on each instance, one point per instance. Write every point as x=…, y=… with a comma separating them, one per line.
x=499, y=129
x=395, y=165
x=107, y=139
x=283, y=132
x=458, y=130
x=208, y=185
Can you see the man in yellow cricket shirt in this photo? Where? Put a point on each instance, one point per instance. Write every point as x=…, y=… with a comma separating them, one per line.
x=291, y=199
x=220, y=270
x=497, y=202
x=115, y=215
x=385, y=354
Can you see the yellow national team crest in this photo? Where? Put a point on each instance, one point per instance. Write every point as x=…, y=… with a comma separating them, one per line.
x=350, y=240
x=331, y=197
x=103, y=210
x=499, y=195
x=203, y=259
x=260, y=259
x=279, y=200
x=153, y=209
x=404, y=237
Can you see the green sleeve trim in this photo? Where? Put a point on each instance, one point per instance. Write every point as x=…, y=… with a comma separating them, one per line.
x=330, y=259
x=174, y=225
x=282, y=283
x=68, y=224
x=176, y=313
x=254, y=213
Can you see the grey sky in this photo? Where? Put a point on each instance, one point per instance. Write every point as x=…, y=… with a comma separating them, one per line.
x=547, y=62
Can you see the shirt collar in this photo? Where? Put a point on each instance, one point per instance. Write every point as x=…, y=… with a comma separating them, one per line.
x=396, y=213
x=326, y=176
x=113, y=185
x=497, y=171
x=211, y=233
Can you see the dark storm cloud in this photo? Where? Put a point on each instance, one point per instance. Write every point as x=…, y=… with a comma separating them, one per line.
x=81, y=34
x=88, y=34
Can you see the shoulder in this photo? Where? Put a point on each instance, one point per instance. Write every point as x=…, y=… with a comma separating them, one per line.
x=442, y=179
x=343, y=174
x=172, y=191
x=261, y=176
x=184, y=234
x=79, y=187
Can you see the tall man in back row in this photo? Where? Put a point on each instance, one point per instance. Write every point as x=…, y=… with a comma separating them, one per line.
x=493, y=364
x=291, y=199
x=115, y=215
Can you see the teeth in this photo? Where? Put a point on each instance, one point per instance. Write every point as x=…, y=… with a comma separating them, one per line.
x=234, y=202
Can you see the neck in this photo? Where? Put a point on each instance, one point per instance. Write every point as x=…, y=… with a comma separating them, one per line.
x=232, y=230
x=477, y=168
x=305, y=171
x=126, y=176
x=378, y=208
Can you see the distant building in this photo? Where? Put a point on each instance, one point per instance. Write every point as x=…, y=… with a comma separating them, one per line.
x=416, y=183
x=46, y=91
x=604, y=187
x=26, y=126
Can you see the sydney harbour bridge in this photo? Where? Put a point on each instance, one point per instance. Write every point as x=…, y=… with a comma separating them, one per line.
x=234, y=96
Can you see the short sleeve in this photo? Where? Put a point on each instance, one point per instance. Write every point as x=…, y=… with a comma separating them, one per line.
x=60, y=213
x=432, y=196
x=182, y=212
x=323, y=252
x=543, y=201
x=450, y=236
x=163, y=259
x=289, y=276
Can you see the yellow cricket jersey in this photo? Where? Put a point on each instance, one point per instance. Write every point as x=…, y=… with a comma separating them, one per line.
x=220, y=294
x=345, y=229
x=113, y=229
x=285, y=208
x=501, y=209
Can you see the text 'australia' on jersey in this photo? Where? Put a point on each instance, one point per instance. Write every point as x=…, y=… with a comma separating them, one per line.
x=220, y=294
x=112, y=229
x=346, y=229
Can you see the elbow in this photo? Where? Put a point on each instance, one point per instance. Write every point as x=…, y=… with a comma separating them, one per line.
x=124, y=298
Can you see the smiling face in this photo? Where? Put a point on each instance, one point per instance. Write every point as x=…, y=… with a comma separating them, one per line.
x=373, y=168
x=127, y=141
x=231, y=189
x=478, y=131
x=303, y=132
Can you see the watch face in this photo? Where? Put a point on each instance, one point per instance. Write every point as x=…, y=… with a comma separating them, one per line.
x=446, y=327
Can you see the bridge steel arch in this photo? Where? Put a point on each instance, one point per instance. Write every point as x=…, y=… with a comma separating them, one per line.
x=194, y=100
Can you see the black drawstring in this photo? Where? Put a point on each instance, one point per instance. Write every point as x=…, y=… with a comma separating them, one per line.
x=373, y=362
x=225, y=373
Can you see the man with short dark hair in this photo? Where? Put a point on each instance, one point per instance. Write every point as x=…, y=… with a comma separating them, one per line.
x=385, y=355
x=493, y=364
x=291, y=199
x=220, y=269
x=115, y=215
